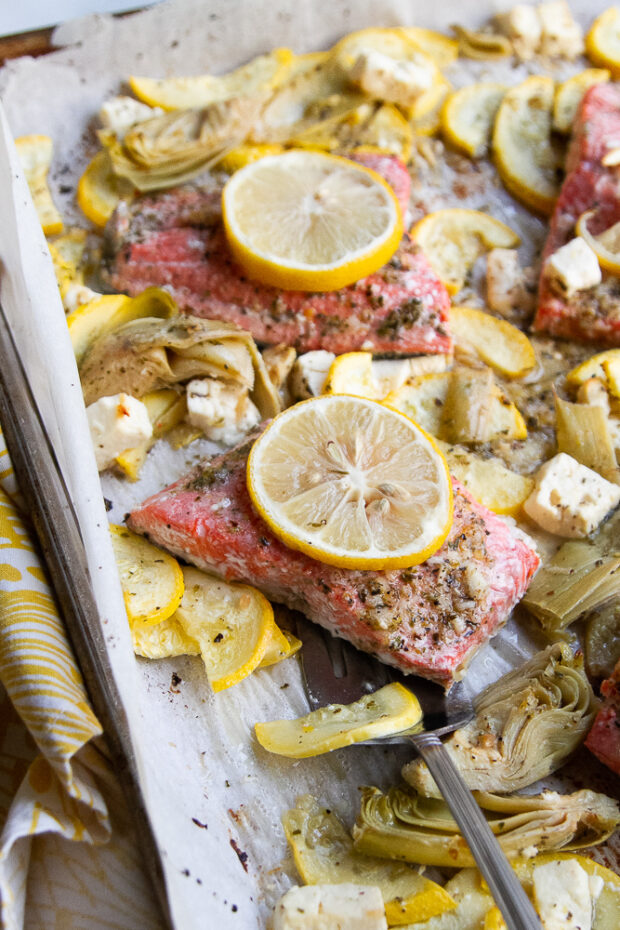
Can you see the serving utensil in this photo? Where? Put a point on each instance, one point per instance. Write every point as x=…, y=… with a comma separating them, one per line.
x=334, y=672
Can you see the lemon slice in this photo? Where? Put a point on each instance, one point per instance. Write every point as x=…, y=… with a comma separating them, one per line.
x=498, y=343
x=454, y=238
x=605, y=245
x=569, y=93
x=603, y=41
x=374, y=494
x=389, y=710
x=245, y=154
x=468, y=114
x=35, y=154
x=232, y=624
x=526, y=158
x=488, y=480
x=100, y=190
x=151, y=580
x=309, y=221
x=593, y=367
x=351, y=373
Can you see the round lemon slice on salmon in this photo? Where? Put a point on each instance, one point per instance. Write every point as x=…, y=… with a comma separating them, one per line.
x=309, y=221
x=352, y=483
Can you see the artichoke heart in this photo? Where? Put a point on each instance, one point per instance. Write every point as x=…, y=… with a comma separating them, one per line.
x=171, y=149
x=525, y=726
x=150, y=354
x=406, y=826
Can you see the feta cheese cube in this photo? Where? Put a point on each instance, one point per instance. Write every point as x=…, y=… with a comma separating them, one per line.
x=569, y=499
x=121, y=113
x=562, y=895
x=523, y=27
x=562, y=36
x=117, y=423
x=331, y=907
x=574, y=267
x=76, y=295
x=222, y=410
x=389, y=79
x=309, y=373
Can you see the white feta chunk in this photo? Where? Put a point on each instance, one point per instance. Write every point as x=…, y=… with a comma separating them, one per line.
x=562, y=895
x=574, y=267
x=223, y=411
x=117, y=423
x=570, y=499
x=76, y=295
x=562, y=36
x=331, y=907
x=121, y=113
x=389, y=79
x=309, y=373
x=523, y=27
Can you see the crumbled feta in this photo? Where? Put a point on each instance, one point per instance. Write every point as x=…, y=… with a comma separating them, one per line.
x=117, y=423
x=389, y=79
x=562, y=895
x=569, y=499
x=223, y=411
x=76, y=295
x=121, y=113
x=523, y=27
x=574, y=267
x=331, y=907
x=510, y=289
x=562, y=36
x=309, y=373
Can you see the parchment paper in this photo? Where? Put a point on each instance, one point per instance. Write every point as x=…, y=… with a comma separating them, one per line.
x=214, y=796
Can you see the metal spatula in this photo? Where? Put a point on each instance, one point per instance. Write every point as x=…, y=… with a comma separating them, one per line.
x=337, y=673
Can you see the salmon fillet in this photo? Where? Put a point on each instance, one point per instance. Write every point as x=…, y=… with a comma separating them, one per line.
x=427, y=620
x=591, y=315
x=176, y=240
x=604, y=737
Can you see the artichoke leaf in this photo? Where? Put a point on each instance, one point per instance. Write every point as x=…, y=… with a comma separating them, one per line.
x=171, y=149
x=525, y=726
x=603, y=640
x=583, y=431
x=150, y=354
x=395, y=825
x=324, y=853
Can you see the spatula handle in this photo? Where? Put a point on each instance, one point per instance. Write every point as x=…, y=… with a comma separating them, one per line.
x=505, y=887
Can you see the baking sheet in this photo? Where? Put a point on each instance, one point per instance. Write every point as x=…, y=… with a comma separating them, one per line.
x=215, y=798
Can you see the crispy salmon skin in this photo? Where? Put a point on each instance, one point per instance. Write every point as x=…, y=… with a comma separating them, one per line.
x=176, y=240
x=428, y=620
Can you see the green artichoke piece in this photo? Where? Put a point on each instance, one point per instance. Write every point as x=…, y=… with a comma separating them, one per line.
x=580, y=578
x=525, y=726
x=603, y=640
x=150, y=354
x=404, y=825
x=323, y=852
x=481, y=46
x=582, y=430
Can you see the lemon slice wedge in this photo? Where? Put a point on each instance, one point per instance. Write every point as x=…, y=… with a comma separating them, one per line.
x=454, y=238
x=605, y=245
x=232, y=624
x=468, y=114
x=152, y=581
x=526, y=158
x=603, y=41
x=35, y=155
x=374, y=494
x=100, y=190
x=569, y=93
x=389, y=710
x=310, y=221
x=497, y=342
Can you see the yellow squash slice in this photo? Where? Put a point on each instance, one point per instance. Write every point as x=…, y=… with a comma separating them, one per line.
x=245, y=154
x=351, y=373
x=35, y=153
x=454, y=238
x=498, y=343
x=152, y=581
x=488, y=480
x=232, y=624
x=389, y=710
x=282, y=645
x=593, y=367
x=443, y=50
x=164, y=640
x=569, y=93
x=468, y=115
x=375, y=493
x=526, y=158
x=603, y=41
x=67, y=252
x=258, y=77
x=100, y=190
x=605, y=245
